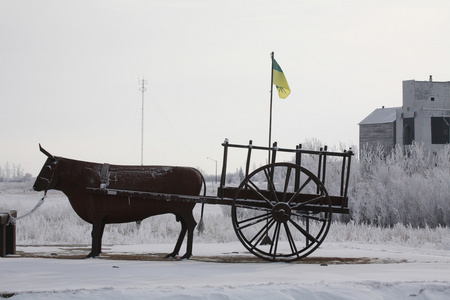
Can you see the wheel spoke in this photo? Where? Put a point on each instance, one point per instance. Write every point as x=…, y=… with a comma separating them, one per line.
x=253, y=221
x=271, y=186
x=300, y=189
x=261, y=234
x=253, y=186
x=305, y=183
x=308, y=202
x=286, y=182
x=304, y=232
x=290, y=239
x=276, y=236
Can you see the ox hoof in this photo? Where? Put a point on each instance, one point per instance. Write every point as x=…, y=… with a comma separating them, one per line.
x=186, y=256
x=171, y=255
x=92, y=255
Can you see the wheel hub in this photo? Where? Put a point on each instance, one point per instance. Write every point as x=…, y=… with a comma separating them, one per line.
x=281, y=212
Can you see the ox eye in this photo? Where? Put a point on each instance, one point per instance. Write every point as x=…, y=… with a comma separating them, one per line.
x=50, y=167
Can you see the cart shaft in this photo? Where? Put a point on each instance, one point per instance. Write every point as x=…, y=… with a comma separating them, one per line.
x=227, y=199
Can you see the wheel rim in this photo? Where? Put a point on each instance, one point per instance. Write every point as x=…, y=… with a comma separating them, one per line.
x=277, y=218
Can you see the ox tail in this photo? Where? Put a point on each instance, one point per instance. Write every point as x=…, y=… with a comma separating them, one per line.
x=201, y=225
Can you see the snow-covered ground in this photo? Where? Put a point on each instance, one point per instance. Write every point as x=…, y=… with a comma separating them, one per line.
x=335, y=271
x=354, y=262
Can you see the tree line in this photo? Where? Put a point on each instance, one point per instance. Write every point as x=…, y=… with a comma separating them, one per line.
x=13, y=173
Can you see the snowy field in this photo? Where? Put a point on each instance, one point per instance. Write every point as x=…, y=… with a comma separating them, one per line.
x=377, y=272
x=354, y=262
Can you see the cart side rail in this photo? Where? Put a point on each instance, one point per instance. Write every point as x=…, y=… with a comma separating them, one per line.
x=321, y=169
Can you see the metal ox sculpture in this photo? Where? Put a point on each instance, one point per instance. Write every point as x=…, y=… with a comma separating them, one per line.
x=73, y=177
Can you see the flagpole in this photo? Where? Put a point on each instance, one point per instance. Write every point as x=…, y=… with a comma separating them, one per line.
x=266, y=240
x=271, y=93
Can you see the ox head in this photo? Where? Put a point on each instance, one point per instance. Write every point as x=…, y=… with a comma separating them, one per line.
x=45, y=180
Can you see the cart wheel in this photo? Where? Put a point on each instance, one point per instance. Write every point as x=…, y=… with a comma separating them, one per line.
x=291, y=210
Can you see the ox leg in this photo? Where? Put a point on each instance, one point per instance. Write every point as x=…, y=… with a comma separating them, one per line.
x=190, y=224
x=176, y=250
x=97, y=233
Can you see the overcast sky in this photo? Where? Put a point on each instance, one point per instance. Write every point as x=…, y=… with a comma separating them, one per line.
x=69, y=73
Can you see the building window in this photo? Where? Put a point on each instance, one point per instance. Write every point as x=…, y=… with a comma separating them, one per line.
x=408, y=131
x=431, y=98
x=440, y=130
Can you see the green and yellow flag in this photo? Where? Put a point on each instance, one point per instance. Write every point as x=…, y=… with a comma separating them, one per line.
x=280, y=81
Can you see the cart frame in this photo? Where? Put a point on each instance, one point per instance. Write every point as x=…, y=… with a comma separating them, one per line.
x=339, y=202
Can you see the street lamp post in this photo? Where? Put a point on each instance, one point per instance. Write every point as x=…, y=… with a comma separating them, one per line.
x=216, y=165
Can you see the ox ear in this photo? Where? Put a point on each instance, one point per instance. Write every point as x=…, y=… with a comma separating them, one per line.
x=45, y=152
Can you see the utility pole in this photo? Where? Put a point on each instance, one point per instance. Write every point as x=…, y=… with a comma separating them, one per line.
x=142, y=82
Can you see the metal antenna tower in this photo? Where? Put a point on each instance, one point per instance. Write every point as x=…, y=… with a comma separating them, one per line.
x=142, y=82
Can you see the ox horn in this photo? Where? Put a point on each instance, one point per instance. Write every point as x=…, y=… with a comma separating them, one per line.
x=45, y=152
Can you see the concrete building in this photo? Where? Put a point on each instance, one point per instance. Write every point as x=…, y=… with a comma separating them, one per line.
x=423, y=118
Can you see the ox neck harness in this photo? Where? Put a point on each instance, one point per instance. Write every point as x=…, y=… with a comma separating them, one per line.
x=40, y=202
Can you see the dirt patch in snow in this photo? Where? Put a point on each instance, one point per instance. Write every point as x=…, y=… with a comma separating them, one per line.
x=80, y=253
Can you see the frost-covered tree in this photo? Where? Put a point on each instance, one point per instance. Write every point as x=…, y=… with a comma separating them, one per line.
x=14, y=173
x=410, y=187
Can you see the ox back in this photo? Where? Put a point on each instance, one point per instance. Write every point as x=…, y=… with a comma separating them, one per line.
x=73, y=177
